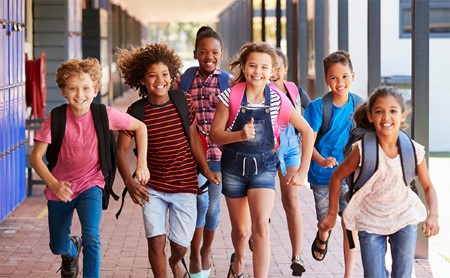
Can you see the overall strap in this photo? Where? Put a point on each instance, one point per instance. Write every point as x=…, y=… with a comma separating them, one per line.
x=369, y=160
x=187, y=78
x=407, y=157
x=58, y=129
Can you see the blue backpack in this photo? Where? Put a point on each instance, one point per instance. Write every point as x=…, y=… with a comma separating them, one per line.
x=189, y=74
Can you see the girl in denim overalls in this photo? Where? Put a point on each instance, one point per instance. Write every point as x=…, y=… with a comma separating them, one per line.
x=249, y=156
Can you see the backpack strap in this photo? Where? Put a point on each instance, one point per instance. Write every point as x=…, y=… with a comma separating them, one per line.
x=327, y=112
x=235, y=100
x=58, y=129
x=407, y=157
x=187, y=78
x=224, y=80
x=368, y=164
x=179, y=100
x=292, y=90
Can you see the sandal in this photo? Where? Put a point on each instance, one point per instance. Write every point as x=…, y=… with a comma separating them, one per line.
x=186, y=273
x=231, y=271
x=314, y=247
x=297, y=266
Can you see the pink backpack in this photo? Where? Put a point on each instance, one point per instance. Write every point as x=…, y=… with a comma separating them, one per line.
x=235, y=99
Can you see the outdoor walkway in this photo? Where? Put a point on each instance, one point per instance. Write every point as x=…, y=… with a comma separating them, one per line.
x=24, y=250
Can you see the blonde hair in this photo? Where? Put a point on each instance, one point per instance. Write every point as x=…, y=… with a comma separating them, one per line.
x=75, y=67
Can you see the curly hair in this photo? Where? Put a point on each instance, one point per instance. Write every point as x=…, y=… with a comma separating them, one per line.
x=246, y=50
x=340, y=56
x=75, y=67
x=134, y=63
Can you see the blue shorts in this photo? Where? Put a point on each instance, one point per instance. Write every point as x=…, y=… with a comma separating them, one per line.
x=291, y=153
x=182, y=208
x=244, y=171
x=321, y=193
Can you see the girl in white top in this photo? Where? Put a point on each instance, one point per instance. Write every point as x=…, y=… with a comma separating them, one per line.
x=384, y=207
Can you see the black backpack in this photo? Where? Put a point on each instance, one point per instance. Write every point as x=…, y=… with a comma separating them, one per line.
x=137, y=110
x=106, y=145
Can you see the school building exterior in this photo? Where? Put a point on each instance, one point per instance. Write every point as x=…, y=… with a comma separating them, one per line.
x=384, y=47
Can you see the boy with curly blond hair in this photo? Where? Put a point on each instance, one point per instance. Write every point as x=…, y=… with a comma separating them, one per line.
x=172, y=157
x=76, y=181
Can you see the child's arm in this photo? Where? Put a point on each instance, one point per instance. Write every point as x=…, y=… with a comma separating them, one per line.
x=219, y=136
x=136, y=190
x=199, y=155
x=140, y=129
x=431, y=226
x=328, y=162
x=347, y=167
x=61, y=189
x=302, y=126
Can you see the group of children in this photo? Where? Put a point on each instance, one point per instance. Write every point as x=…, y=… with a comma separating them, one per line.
x=254, y=129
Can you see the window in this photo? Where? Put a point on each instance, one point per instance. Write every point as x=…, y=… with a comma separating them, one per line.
x=439, y=18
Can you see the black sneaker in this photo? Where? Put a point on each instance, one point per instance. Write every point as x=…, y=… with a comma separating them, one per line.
x=69, y=266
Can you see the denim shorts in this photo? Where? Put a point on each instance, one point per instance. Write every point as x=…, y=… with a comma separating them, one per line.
x=292, y=153
x=321, y=193
x=244, y=171
x=182, y=208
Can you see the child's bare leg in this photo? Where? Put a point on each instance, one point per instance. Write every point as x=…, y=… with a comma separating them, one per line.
x=157, y=256
x=261, y=201
x=177, y=253
x=194, y=257
x=349, y=254
x=291, y=203
x=208, y=237
x=240, y=228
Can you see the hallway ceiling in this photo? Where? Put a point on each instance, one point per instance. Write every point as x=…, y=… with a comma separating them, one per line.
x=174, y=10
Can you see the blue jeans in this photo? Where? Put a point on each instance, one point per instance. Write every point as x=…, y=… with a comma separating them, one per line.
x=89, y=209
x=208, y=203
x=373, y=251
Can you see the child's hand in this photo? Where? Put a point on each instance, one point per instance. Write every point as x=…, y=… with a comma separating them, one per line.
x=298, y=179
x=430, y=227
x=142, y=174
x=213, y=177
x=328, y=162
x=249, y=132
x=62, y=190
x=137, y=192
x=328, y=222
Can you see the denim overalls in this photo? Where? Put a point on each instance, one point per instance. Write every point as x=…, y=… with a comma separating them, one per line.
x=252, y=163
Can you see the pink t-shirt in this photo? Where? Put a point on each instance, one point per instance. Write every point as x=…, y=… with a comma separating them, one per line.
x=78, y=160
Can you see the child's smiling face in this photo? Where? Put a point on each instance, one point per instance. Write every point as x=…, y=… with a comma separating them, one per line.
x=387, y=115
x=258, y=69
x=209, y=54
x=79, y=92
x=157, y=81
x=339, y=78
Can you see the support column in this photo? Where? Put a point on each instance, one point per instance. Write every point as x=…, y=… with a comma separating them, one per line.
x=420, y=93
